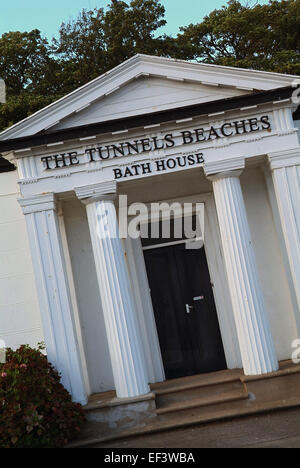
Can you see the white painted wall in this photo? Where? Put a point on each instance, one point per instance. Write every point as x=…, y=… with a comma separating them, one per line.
x=270, y=262
x=20, y=321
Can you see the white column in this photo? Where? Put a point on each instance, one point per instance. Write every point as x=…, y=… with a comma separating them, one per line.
x=285, y=168
x=254, y=335
x=53, y=292
x=126, y=352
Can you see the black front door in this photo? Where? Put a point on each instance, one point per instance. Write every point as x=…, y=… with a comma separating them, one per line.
x=185, y=311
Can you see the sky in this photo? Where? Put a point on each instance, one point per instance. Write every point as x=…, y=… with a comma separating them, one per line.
x=47, y=16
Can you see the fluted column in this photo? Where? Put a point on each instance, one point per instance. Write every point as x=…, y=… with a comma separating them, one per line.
x=127, y=358
x=53, y=292
x=254, y=335
x=285, y=168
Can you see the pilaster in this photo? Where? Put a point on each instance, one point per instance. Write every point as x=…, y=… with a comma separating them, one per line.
x=285, y=167
x=53, y=291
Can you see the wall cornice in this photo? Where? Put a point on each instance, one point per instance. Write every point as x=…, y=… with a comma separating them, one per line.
x=90, y=193
x=285, y=158
x=224, y=167
x=37, y=203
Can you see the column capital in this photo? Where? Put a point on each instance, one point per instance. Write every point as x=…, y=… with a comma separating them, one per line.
x=224, y=168
x=96, y=192
x=37, y=203
x=285, y=158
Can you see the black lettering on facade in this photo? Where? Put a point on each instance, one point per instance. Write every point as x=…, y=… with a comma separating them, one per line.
x=101, y=155
x=46, y=160
x=181, y=161
x=146, y=144
x=170, y=140
x=240, y=125
x=253, y=125
x=146, y=168
x=128, y=173
x=60, y=160
x=118, y=151
x=156, y=146
x=160, y=165
x=135, y=168
x=171, y=163
x=90, y=152
x=224, y=127
x=266, y=124
x=200, y=158
x=118, y=173
x=213, y=133
x=200, y=134
x=187, y=137
x=73, y=158
x=157, y=143
x=191, y=160
x=132, y=147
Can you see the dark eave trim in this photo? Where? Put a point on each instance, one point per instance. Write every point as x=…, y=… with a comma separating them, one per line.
x=6, y=166
x=129, y=123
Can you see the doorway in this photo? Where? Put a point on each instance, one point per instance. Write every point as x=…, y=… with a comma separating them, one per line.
x=185, y=311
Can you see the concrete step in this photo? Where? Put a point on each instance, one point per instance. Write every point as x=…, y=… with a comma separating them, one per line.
x=211, y=401
x=270, y=392
x=196, y=391
x=200, y=380
x=170, y=422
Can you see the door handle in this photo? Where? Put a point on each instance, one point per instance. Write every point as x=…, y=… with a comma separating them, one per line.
x=198, y=298
x=188, y=308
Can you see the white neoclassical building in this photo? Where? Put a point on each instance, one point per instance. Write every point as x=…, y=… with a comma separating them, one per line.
x=122, y=313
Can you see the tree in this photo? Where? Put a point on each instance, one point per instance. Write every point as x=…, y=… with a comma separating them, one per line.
x=261, y=37
x=29, y=73
x=99, y=40
x=23, y=57
x=37, y=73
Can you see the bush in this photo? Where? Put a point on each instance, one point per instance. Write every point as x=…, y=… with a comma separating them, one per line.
x=36, y=411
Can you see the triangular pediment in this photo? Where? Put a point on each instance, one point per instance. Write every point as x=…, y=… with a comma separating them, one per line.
x=142, y=85
x=146, y=95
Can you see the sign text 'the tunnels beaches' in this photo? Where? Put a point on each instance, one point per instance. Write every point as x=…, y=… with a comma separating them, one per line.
x=146, y=145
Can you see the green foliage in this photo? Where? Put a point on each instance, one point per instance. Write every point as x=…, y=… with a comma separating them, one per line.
x=23, y=59
x=18, y=107
x=261, y=37
x=35, y=409
x=101, y=39
x=31, y=75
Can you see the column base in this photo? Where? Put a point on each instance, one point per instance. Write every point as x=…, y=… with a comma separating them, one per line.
x=119, y=414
